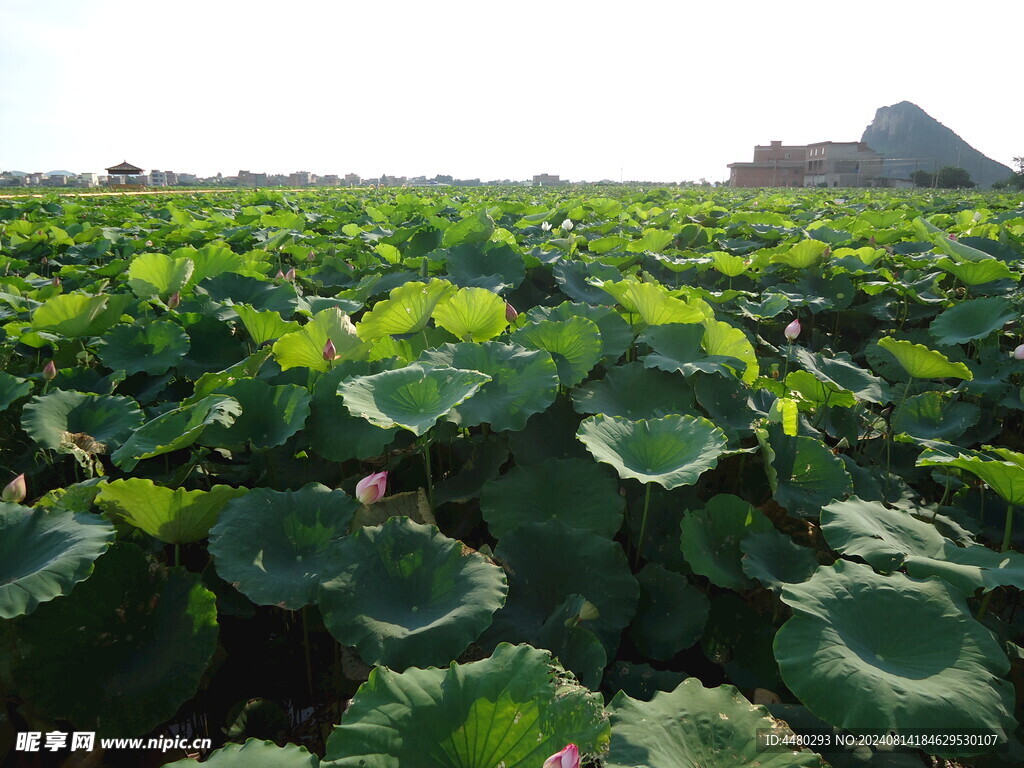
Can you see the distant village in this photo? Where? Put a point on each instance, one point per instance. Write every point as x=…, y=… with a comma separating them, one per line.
x=127, y=175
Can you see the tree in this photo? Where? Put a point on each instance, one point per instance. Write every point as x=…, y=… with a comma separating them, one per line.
x=922, y=178
x=950, y=177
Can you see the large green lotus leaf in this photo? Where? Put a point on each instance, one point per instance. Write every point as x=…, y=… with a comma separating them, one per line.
x=1002, y=469
x=254, y=754
x=53, y=420
x=970, y=320
x=840, y=371
x=150, y=347
x=232, y=288
x=472, y=314
x=572, y=643
x=513, y=709
x=335, y=433
x=671, y=451
x=266, y=325
x=305, y=348
x=277, y=546
x=177, y=428
x=123, y=651
x=172, y=516
x=804, y=254
x=678, y=348
x=214, y=259
x=775, y=560
x=468, y=264
x=923, y=363
x=270, y=414
x=934, y=416
x=696, y=727
x=803, y=473
x=12, y=389
x=43, y=554
x=523, y=382
x=635, y=392
x=650, y=304
x=888, y=539
x=819, y=392
x=977, y=272
x=864, y=651
x=408, y=596
x=616, y=335
x=158, y=274
x=710, y=538
x=547, y=562
x=406, y=310
x=574, y=344
x=573, y=278
x=653, y=240
x=475, y=228
x=413, y=398
x=580, y=493
x=671, y=614
x=75, y=315
x=724, y=340
x=729, y=264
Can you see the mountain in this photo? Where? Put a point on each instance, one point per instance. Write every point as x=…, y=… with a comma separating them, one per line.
x=917, y=141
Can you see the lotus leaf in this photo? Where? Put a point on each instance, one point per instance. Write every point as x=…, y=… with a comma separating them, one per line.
x=277, y=546
x=511, y=709
x=405, y=595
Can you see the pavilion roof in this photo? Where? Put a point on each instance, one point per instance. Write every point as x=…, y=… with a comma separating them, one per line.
x=124, y=167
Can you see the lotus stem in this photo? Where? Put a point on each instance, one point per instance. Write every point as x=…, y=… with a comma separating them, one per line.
x=1007, y=531
x=305, y=648
x=430, y=477
x=643, y=526
x=177, y=555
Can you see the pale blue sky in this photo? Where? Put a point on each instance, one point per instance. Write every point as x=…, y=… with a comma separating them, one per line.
x=663, y=90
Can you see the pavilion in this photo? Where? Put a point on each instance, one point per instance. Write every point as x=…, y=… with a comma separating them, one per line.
x=124, y=170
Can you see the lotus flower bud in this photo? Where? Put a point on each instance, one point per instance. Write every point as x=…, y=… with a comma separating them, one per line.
x=50, y=371
x=330, y=352
x=953, y=238
x=546, y=226
x=510, y=312
x=872, y=242
x=1018, y=353
x=55, y=282
x=372, y=487
x=174, y=300
x=290, y=275
x=565, y=758
x=15, y=491
x=792, y=330
x=311, y=256
x=279, y=275
x=567, y=225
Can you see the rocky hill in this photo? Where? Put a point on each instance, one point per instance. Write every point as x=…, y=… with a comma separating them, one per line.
x=914, y=140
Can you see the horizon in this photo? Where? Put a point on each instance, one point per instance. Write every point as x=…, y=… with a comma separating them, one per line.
x=585, y=91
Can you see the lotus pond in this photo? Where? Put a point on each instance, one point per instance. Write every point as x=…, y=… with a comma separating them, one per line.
x=456, y=478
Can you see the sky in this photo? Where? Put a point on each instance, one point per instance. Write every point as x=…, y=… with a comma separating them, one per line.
x=642, y=90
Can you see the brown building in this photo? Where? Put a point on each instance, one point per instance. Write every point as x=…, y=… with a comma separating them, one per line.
x=823, y=164
x=775, y=165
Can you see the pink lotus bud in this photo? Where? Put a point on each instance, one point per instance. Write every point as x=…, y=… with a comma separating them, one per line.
x=55, y=282
x=566, y=758
x=290, y=275
x=174, y=300
x=279, y=275
x=15, y=491
x=372, y=487
x=872, y=242
x=310, y=256
x=792, y=330
x=50, y=371
x=953, y=238
x=330, y=352
x=1018, y=353
x=510, y=312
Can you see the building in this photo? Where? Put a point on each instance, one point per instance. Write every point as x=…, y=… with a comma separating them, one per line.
x=842, y=164
x=157, y=179
x=547, y=180
x=352, y=180
x=823, y=164
x=774, y=165
x=301, y=179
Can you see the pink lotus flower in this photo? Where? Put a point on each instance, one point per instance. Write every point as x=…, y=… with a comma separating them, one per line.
x=1018, y=353
x=330, y=352
x=50, y=371
x=566, y=758
x=510, y=312
x=174, y=300
x=279, y=275
x=793, y=330
x=290, y=275
x=15, y=491
x=372, y=487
